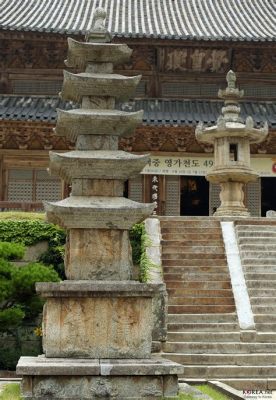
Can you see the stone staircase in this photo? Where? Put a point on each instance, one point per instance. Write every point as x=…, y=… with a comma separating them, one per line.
x=203, y=330
x=257, y=244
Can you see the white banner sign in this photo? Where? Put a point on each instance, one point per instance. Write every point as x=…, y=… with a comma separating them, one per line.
x=173, y=165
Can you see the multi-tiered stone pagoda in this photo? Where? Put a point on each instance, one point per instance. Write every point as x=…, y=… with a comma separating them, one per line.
x=231, y=138
x=97, y=325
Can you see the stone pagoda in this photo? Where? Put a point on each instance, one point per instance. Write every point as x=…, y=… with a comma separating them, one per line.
x=97, y=325
x=231, y=138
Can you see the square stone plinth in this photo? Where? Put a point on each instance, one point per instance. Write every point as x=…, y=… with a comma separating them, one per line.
x=85, y=319
x=70, y=379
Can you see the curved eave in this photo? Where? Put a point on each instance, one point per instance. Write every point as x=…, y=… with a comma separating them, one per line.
x=97, y=212
x=253, y=135
x=75, y=86
x=82, y=53
x=96, y=165
x=96, y=122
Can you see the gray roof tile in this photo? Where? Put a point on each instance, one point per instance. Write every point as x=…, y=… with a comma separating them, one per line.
x=237, y=20
x=156, y=111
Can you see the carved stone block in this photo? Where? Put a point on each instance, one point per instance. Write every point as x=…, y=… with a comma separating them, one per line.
x=98, y=327
x=97, y=254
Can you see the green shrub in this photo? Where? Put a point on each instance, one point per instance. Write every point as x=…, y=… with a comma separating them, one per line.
x=18, y=299
x=135, y=236
x=29, y=232
x=11, y=318
x=11, y=251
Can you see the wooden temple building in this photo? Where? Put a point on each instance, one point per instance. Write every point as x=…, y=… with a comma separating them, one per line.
x=183, y=50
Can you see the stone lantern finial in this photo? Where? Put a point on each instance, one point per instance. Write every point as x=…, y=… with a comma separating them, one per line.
x=98, y=31
x=231, y=79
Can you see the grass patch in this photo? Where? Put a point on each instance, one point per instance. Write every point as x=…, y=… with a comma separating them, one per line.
x=11, y=392
x=19, y=215
x=213, y=393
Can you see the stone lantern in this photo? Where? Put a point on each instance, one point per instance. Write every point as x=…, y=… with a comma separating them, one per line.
x=231, y=138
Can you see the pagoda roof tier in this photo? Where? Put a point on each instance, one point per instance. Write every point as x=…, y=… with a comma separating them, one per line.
x=96, y=122
x=98, y=164
x=82, y=53
x=75, y=86
x=97, y=212
x=232, y=129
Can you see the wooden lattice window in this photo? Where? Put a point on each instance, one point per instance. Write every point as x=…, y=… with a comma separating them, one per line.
x=214, y=200
x=135, y=189
x=253, y=198
x=31, y=185
x=172, y=206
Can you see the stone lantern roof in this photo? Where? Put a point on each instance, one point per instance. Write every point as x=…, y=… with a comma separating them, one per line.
x=230, y=123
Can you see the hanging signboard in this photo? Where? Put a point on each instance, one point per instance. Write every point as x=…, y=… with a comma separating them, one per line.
x=174, y=165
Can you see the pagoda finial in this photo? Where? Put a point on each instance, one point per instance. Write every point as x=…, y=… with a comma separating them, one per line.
x=98, y=31
x=98, y=19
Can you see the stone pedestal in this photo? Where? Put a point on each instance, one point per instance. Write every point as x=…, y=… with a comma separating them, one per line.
x=71, y=379
x=98, y=324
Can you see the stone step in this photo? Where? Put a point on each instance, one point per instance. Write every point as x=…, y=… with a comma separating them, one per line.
x=203, y=337
x=264, y=276
x=200, y=293
x=263, y=254
x=263, y=301
x=190, y=223
x=217, y=285
x=254, y=234
x=192, y=250
x=263, y=247
x=203, y=327
x=251, y=384
x=265, y=318
x=264, y=309
x=180, y=255
x=195, y=269
x=203, y=318
x=252, y=261
x=222, y=359
x=195, y=277
x=192, y=243
x=190, y=230
x=262, y=292
x=229, y=371
x=260, y=284
x=256, y=228
x=207, y=309
x=257, y=240
x=218, y=347
x=200, y=300
x=191, y=236
x=265, y=327
x=266, y=337
x=259, y=269
x=198, y=262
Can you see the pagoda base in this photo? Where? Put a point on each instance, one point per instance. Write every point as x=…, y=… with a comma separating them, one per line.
x=71, y=379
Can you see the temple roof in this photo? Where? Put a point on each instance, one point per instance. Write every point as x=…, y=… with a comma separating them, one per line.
x=156, y=111
x=234, y=20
